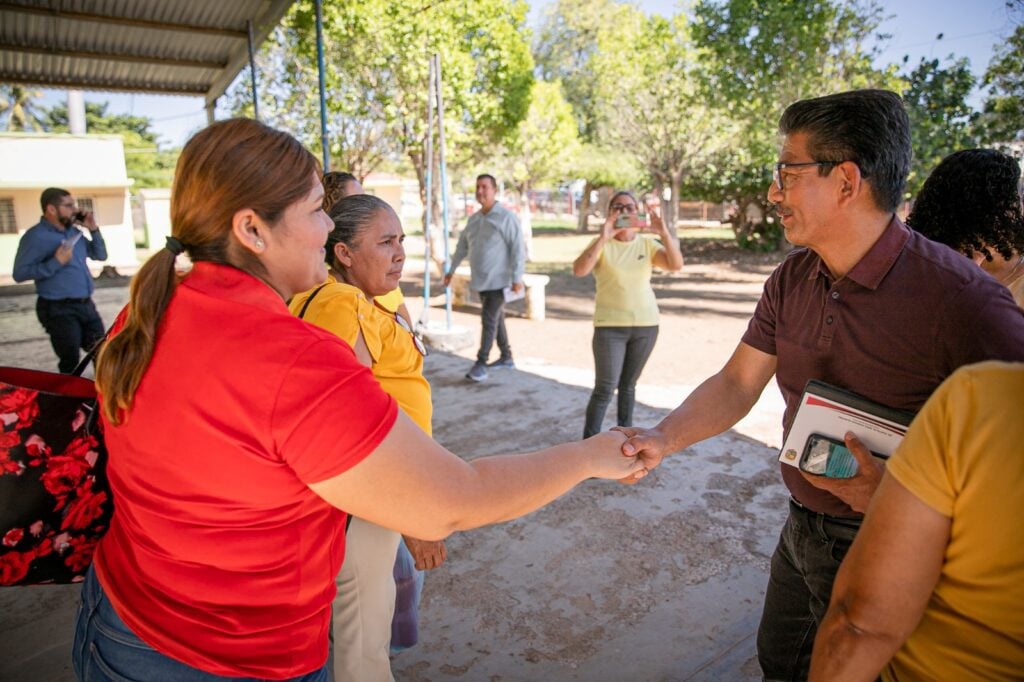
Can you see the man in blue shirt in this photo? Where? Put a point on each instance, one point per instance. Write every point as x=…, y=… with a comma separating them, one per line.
x=53, y=253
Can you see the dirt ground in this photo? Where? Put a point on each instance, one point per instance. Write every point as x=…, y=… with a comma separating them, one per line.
x=660, y=581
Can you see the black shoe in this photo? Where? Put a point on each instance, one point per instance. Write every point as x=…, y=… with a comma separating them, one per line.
x=502, y=363
x=478, y=372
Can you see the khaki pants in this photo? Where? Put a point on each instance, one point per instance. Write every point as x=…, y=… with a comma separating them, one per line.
x=365, y=604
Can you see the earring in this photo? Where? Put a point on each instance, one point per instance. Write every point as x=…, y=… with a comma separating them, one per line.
x=259, y=243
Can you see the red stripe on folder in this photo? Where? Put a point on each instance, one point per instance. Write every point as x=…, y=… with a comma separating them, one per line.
x=818, y=402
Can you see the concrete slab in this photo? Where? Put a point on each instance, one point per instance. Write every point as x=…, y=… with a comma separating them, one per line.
x=659, y=581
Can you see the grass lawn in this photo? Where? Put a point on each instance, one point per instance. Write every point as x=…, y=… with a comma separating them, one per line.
x=556, y=244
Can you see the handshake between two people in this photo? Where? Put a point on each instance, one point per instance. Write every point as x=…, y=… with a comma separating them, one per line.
x=627, y=453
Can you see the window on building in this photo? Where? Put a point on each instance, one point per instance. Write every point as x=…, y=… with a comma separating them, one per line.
x=7, y=223
x=84, y=204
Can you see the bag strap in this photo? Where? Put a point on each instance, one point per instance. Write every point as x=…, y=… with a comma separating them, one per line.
x=309, y=300
x=302, y=312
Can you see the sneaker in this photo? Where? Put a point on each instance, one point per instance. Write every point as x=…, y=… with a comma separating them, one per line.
x=502, y=363
x=478, y=372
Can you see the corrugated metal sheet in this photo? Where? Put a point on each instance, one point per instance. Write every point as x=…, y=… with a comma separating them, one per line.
x=174, y=46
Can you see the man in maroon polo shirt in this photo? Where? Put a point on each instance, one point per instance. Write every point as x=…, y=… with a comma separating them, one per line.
x=866, y=305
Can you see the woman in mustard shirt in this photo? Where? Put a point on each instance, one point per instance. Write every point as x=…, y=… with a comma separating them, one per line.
x=625, y=311
x=365, y=257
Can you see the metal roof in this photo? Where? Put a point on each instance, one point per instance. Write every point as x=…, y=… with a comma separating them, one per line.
x=188, y=47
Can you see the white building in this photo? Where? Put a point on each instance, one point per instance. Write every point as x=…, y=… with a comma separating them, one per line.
x=91, y=167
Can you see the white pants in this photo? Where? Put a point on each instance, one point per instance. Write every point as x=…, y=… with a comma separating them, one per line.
x=365, y=604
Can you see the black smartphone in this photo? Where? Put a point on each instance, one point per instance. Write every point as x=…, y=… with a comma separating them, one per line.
x=79, y=216
x=828, y=457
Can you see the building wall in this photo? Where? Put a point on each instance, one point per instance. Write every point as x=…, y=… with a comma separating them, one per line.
x=89, y=166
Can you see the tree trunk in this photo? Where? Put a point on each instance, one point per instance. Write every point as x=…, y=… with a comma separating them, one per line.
x=526, y=220
x=432, y=232
x=672, y=209
x=583, y=219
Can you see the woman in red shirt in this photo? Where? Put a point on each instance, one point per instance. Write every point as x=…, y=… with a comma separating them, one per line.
x=237, y=434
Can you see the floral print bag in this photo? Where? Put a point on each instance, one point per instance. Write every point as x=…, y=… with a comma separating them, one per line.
x=55, y=501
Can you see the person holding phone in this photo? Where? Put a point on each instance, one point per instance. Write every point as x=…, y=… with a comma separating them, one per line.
x=625, y=310
x=240, y=438
x=53, y=254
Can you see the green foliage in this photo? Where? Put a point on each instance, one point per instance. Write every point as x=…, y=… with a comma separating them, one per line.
x=377, y=54
x=574, y=38
x=1003, y=111
x=19, y=108
x=758, y=57
x=607, y=167
x=145, y=162
x=941, y=119
x=543, y=147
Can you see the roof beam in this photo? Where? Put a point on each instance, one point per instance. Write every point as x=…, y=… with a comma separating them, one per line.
x=115, y=57
x=263, y=24
x=105, y=86
x=241, y=34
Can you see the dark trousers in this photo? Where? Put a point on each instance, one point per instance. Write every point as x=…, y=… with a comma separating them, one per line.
x=803, y=568
x=492, y=315
x=73, y=325
x=620, y=354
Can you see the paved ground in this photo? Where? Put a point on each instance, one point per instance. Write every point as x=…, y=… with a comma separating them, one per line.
x=661, y=581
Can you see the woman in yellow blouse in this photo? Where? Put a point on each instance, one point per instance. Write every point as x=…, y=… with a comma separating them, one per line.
x=365, y=255
x=625, y=311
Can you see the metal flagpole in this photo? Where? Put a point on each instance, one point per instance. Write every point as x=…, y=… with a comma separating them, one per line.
x=429, y=174
x=323, y=98
x=444, y=187
x=252, y=73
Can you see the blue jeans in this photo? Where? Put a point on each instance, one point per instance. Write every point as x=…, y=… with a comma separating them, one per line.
x=106, y=650
x=811, y=548
x=620, y=354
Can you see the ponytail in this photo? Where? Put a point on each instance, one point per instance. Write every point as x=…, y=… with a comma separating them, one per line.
x=228, y=166
x=124, y=358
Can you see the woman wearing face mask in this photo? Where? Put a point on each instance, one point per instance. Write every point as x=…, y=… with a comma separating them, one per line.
x=625, y=310
x=365, y=258
x=237, y=434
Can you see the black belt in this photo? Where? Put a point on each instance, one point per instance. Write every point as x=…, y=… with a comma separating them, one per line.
x=68, y=300
x=846, y=521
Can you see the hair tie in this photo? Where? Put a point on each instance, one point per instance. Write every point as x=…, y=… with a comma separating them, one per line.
x=174, y=246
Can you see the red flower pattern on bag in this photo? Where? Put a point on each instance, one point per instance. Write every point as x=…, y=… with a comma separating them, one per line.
x=13, y=536
x=22, y=403
x=14, y=566
x=58, y=542
x=82, y=549
x=62, y=475
x=85, y=508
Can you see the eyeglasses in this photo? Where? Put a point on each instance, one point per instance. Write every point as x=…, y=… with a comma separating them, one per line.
x=624, y=208
x=416, y=340
x=779, y=167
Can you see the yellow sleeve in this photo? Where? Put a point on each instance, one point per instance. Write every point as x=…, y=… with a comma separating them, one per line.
x=345, y=312
x=922, y=462
x=391, y=300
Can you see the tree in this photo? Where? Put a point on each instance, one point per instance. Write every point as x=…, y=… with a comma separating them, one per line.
x=542, y=148
x=145, y=162
x=377, y=54
x=577, y=41
x=941, y=120
x=658, y=109
x=1003, y=110
x=758, y=58
x=18, y=105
